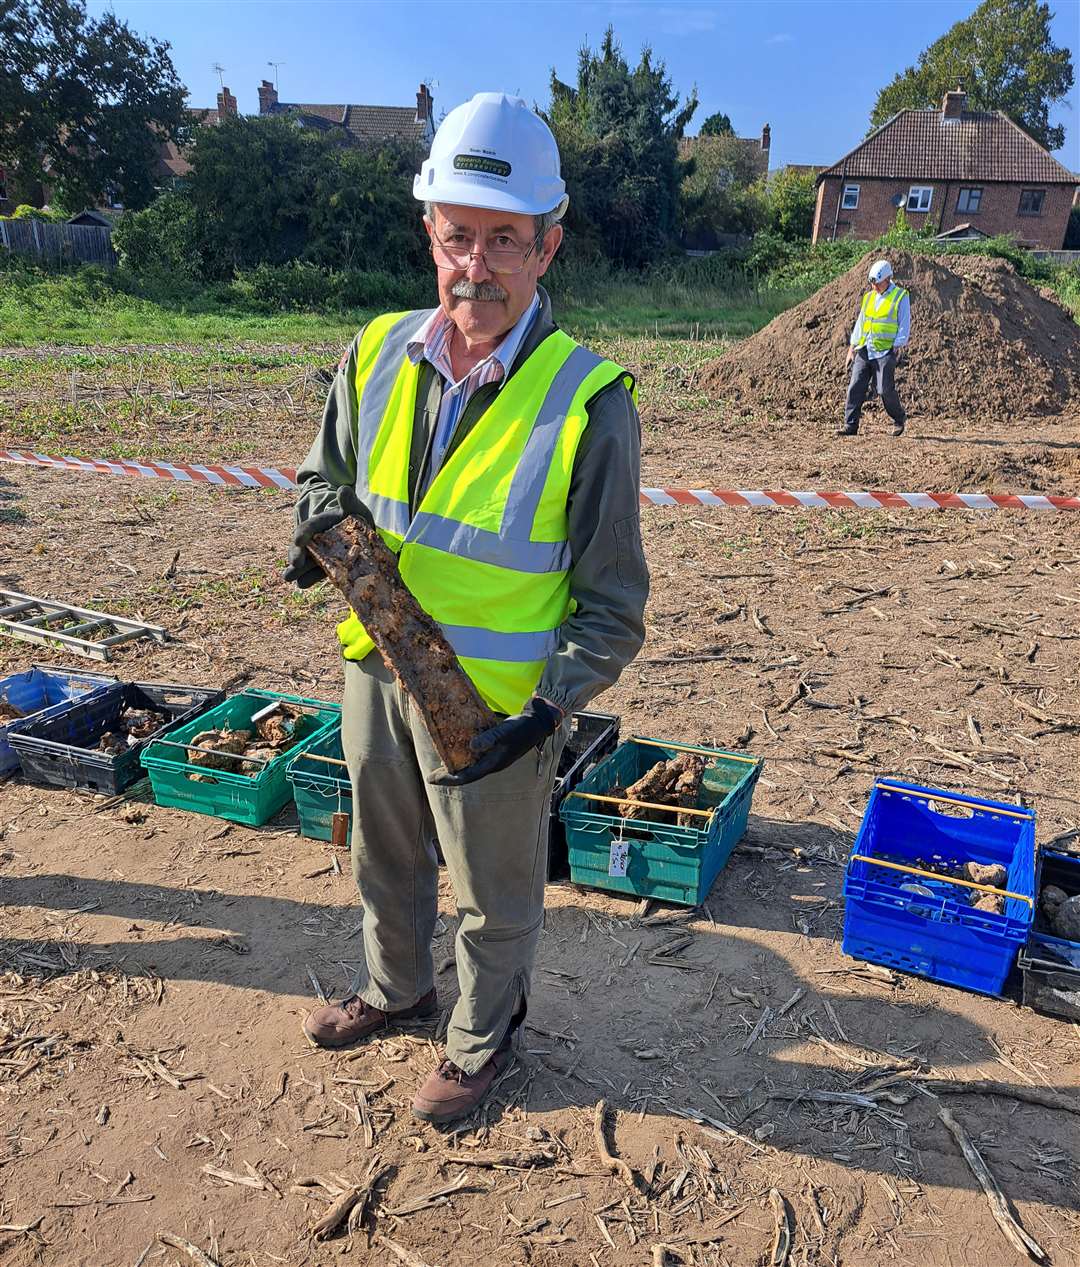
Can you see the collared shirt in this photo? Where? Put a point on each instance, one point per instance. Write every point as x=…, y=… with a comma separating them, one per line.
x=432, y=344
x=903, y=329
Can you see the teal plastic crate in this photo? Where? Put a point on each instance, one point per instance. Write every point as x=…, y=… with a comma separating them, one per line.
x=320, y=790
x=223, y=793
x=669, y=863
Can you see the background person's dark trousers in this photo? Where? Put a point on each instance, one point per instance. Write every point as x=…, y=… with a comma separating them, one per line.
x=883, y=371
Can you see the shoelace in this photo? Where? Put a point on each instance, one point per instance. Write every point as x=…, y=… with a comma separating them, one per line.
x=449, y=1070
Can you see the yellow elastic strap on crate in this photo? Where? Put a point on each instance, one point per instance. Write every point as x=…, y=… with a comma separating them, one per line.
x=936, y=875
x=880, y=317
x=488, y=542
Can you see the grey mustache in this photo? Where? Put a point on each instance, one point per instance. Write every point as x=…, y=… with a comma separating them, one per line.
x=485, y=292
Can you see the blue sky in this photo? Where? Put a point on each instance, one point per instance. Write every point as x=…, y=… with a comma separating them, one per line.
x=809, y=68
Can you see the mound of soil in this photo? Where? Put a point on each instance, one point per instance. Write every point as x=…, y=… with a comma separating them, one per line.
x=982, y=338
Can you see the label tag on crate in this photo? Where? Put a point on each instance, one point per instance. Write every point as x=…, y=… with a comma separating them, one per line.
x=617, y=857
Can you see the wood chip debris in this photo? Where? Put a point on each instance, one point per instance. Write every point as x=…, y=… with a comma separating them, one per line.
x=1010, y=1226
x=608, y=1160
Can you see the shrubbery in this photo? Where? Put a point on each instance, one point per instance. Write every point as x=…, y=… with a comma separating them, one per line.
x=297, y=218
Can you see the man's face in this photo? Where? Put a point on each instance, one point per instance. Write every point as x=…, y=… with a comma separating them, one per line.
x=882, y=286
x=484, y=304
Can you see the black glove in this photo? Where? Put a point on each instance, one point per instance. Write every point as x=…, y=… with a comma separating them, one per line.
x=300, y=568
x=505, y=743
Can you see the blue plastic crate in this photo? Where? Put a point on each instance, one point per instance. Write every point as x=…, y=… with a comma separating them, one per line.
x=898, y=915
x=319, y=788
x=665, y=861
x=39, y=693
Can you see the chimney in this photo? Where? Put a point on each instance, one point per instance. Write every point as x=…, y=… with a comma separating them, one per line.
x=954, y=103
x=766, y=137
x=424, y=105
x=226, y=103
x=267, y=97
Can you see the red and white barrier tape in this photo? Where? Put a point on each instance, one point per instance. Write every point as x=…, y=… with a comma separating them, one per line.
x=775, y=498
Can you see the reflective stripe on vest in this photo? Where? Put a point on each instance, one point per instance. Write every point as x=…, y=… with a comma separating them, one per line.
x=881, y=323
x=487, y=553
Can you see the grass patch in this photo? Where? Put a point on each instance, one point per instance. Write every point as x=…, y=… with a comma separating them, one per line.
x=682, y=299
x=87, y=309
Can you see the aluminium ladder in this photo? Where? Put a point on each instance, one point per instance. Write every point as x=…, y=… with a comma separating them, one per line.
x=51, y=623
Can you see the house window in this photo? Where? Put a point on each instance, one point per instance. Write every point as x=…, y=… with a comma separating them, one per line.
x=919, y=196
x=968, y=200
x=851, y=197
x=1031, y=201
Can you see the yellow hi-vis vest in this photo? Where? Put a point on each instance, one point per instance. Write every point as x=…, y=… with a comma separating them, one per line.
x=881, y=318
x=486, y=554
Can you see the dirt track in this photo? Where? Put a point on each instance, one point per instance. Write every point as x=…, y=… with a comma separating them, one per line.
x=178, y=936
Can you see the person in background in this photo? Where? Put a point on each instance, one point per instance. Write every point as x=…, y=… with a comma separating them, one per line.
x=881, y=332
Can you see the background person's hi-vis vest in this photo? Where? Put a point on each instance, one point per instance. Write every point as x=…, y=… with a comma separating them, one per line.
x=881, y=317
x=486, y=554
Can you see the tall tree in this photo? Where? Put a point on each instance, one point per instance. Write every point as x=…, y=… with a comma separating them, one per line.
x=1005, y=57
x=791, y=197
x=722, y=193
x=618, y=131
x=717, y=125
x=252, y=184
x=84, y=103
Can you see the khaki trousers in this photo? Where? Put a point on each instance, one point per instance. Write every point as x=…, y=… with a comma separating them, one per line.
x=493, y=835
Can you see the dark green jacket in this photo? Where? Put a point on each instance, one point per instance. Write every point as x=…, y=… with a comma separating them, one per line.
x=609, y=581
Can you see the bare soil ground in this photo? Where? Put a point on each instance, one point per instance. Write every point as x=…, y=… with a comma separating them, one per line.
x=261, y=406
x=143, y=948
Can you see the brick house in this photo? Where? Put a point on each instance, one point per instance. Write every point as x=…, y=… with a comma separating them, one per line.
x=947, y=168
x=364, y=124
x=172, y=162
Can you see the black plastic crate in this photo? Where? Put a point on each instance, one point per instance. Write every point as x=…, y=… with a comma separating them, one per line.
x=1050, y=965
x=59, y=751
x=592, y=736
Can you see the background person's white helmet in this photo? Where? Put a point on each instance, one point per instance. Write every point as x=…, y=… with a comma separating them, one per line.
x=879, y=270
x=493, y=152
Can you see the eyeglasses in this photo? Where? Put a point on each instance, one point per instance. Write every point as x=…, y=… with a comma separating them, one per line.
x=457, y=256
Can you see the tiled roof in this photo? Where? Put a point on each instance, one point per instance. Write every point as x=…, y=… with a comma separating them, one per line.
x=374, y=123
x=170, y=160
x=921, y=144
x=334, y=114
x=366, y=123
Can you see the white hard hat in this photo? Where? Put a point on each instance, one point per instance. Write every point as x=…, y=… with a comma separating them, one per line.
x=497, y=153
x=879, y=270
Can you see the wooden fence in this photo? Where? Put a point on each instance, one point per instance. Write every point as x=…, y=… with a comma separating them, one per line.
x=59, y=243
x=1070, y=258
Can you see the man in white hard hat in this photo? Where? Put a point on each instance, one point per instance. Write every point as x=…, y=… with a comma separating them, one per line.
x=881, y=333
x=500, y=460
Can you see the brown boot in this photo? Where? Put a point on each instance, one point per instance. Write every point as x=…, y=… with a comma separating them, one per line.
x=449, y=1093
x=342, y=1024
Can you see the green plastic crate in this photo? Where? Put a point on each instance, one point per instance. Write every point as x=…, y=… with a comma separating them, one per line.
x=320, y=790
x=223, y=793
x=669, y=863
